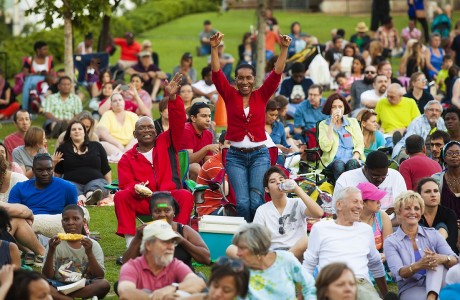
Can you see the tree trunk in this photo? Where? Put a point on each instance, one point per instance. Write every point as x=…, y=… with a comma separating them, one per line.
x=104, y=36
x=68, y=50
x=260, y=52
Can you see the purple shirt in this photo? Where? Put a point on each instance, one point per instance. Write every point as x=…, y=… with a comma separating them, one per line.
x=138, y=272
x=400, y=253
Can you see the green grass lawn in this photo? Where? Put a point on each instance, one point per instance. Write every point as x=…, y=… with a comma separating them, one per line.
x=171, y=40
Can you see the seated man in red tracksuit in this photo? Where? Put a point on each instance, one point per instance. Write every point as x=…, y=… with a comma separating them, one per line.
x=152, y=161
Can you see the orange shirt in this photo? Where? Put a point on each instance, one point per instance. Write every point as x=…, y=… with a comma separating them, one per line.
x=271, y=39
x=212, y=199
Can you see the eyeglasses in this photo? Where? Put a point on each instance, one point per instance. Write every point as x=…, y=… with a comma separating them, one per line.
x=452, y=153
x=378, y=177
x=168, y=242
x=369, y=72
x=235, y=265
x=434, y=110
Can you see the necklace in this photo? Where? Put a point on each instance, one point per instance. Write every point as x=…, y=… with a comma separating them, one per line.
x=370, y=220
x=453, y=182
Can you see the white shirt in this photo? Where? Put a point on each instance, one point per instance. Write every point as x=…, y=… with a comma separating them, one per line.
x=203, y=87
x=353, y=245
x=294, y=222
x=370, y=98
x=394, y=184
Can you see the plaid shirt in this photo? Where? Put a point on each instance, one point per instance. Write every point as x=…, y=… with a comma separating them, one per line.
x=63, y=109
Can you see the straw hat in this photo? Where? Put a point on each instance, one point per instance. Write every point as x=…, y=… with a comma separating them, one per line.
x=362, y=27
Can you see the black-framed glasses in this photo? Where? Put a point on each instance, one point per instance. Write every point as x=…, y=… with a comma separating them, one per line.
x=370, y=72
x=235, y=265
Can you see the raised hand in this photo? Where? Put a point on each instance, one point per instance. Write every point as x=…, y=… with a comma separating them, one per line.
x=285, y=40
x=216, y=39
x=57, y=157
x=173, y=87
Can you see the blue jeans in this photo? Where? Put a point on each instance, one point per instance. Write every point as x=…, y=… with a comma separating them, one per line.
x=205, y=49
x=30, y=83
x=245, y=172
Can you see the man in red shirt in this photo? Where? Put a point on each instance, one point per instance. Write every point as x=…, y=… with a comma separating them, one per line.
x=418, y=165
x=152, y=162
x=22, y=121
x=197, y=138
x=129, y=50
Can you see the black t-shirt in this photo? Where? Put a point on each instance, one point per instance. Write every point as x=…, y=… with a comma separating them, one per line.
x=332, y=55
x=448, y=217
x=3, y=92
x=85, y=167
x=426, y=97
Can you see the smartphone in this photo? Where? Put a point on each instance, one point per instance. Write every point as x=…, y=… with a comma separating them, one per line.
x=124, y=87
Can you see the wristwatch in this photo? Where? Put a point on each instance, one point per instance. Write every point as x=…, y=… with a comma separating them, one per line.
x=176, y=285
x=448, y=258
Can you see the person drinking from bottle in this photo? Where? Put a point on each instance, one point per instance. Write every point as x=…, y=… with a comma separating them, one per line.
x=284, y=217
x=248, y=155
x=340, y=138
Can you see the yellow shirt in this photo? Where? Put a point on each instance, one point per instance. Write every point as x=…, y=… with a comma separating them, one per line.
x=392, y=117
x=121, y=132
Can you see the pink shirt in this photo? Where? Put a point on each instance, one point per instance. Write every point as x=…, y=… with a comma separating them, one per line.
x=417, y=167
x=137, y=271
x=12, y=141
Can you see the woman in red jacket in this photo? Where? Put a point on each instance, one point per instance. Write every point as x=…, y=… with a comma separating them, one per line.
x=247, y=158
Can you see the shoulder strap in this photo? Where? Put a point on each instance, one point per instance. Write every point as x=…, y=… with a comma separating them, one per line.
x=180, y=229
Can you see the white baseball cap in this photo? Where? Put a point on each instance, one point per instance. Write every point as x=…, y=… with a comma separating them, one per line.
x=159, y=229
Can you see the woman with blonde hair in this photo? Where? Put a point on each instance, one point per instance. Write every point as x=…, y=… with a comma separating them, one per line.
x=375, y=53
x=373, y=138
x=417, y=91
x=405, y=57
x=418, y=257
x=416, y=62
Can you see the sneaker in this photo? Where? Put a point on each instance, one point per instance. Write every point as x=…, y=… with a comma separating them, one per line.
x=95, y=197
x=29, y=259
x=39, y=261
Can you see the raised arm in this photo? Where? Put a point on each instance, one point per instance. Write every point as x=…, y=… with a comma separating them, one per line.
x=215, y=40
x=285, y=41
x=176, y=111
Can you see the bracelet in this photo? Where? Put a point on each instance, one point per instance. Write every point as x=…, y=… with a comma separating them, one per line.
x=410, y=268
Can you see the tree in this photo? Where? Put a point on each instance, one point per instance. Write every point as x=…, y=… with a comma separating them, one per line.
x=104, y=36
x=260, y=51
x=74, y=13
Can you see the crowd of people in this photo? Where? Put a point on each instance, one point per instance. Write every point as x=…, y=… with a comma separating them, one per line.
x=388, y=147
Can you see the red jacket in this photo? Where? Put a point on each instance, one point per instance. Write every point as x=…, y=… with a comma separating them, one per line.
x=164, y=173
x=238, y=125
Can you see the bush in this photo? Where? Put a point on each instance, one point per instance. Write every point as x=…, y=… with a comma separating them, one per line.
x=157, y=12
x=138, y=20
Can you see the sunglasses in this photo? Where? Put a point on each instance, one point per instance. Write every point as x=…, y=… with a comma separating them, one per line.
x=235, y=265
x=370, y=72
x=282, y=221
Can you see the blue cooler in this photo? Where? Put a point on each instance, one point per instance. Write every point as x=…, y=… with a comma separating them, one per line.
x=217, y=232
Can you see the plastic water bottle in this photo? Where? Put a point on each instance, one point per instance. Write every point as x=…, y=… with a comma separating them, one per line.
x=287, y=185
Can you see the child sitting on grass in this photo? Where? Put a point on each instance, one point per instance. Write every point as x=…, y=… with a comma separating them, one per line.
x=84, y=256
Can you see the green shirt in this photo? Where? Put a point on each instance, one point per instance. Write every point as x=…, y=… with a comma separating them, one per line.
x=63, y=109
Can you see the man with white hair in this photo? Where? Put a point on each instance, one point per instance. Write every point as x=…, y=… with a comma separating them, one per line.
x=156, y=273
x=348, y=240
x=424, y=125
x=395, y=113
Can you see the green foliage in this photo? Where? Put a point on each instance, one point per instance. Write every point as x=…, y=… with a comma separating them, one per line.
x=156, y=12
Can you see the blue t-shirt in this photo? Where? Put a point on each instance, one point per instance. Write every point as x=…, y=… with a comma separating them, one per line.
x=49, y=201
x=306, y=116
x=378, y=143
x=278, y=134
